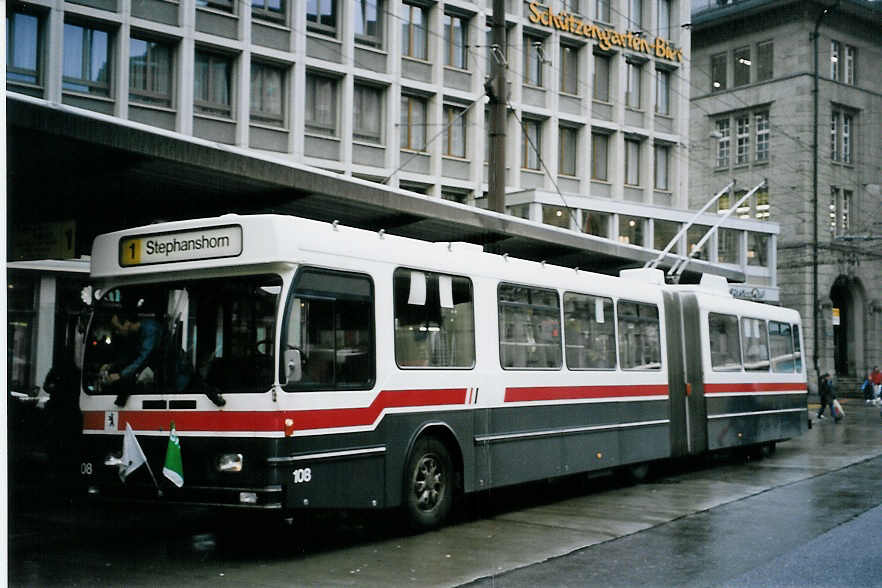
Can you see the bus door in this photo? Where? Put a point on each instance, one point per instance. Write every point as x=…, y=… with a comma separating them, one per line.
x=686, y=379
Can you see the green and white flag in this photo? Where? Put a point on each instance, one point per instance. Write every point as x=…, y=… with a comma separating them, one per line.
x=174, y=467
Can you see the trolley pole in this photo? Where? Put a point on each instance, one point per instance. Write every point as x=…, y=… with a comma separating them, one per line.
x=496, y=90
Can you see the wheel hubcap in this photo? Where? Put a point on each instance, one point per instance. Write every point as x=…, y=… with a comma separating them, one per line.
x=428, y=483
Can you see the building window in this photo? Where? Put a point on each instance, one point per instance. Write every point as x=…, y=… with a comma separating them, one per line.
x=569, y=139
x=850, y=57
x=267, y=93
x=150, y=72
x=532, y=144
x=664, y=18
x=456, y=41
x=569, y=69
x=601, y=10
x=841, y=140
x=224, y=5
x=321, y=16
x=367, y=18
x=763, y=208
x=723, y=142
x=455, y=195
x=845, y=211
x=596, y=223
x=741, y=66
x=757, y=249
x=632, y=162
x=23, y=48
x=833, y=210
x=601, y=77
x=599, y=156
x=663, y=91
x=835, y=52
x=761, y=124
x=571, y=6
x=556, y=216
x=742, y=140
x=718, y=72
x=631, y=230
x=633, y=79
x=321, y=104
x=87, y=64
x=456, y=123
x=268, y=10
x=414, y=36
x=533, y=61
x=765, y=55
x=663, y=232
x=694, y=235
x=662, y=166
x=367, y=113
x=728, y=241
x=414, y=116
x=212, y=84
x=635, y=15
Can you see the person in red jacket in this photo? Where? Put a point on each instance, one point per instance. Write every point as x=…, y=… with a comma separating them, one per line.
x=876, y=378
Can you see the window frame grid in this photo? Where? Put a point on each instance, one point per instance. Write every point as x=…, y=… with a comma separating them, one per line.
x=260, y=9
x=409, y=123
x=263, y=116
x=413, y=32
x=455, y=116
x=37, y=72
x=742, y=140
x=365, y=38
x=315, y=25
x=312, y=124
x=456, y=46
x=208, y=107
x=101, y=89
x=148, y=96
x=762, y=133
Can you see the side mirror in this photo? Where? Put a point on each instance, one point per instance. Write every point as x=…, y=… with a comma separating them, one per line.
x=293, y=365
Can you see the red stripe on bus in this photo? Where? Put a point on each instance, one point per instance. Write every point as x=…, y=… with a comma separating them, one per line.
x=754, y=387
x=304, y=420
x=582, y=392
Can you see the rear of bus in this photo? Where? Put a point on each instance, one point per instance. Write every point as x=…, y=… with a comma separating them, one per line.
x=183, y=336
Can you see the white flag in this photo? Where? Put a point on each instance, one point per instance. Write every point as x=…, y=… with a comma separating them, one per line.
x=132, y=455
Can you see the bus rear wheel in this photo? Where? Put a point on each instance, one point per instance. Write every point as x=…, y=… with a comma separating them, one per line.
x=428, y=484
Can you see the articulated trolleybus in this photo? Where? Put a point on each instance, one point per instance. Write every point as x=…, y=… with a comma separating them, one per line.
x=307, y=365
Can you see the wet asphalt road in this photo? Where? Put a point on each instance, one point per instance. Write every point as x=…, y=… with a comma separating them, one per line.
x=798, y=518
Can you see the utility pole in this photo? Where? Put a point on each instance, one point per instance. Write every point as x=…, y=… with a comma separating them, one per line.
x=497, y=90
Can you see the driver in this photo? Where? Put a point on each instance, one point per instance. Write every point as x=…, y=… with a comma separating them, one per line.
x=148, y=331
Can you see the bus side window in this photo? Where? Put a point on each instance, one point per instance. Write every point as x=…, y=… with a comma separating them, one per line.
x=755, y=345
x=529, y=327
x=434, y=320
x=639, y=336
x=725, y=347
x=781, y=347
x=589, y=332
x=330, y=322
x=797, y=350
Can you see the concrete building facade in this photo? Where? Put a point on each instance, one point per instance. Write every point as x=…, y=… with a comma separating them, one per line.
x=390, y=92
x=767, y=78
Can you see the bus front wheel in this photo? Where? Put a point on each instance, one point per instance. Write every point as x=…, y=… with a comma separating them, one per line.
x=428, y=488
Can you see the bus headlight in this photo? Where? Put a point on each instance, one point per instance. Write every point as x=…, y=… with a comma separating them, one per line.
x=229, y=462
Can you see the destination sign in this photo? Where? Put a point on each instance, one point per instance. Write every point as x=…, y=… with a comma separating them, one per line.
x=180, y=246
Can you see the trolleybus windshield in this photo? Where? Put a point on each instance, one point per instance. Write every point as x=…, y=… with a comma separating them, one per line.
x=205, y=336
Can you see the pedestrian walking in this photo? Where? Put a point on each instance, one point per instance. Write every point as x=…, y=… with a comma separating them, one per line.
x=867, y=388
x=828, y=394
x=876, y=378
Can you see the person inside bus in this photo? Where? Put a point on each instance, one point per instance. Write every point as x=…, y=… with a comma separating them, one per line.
x=148, y=332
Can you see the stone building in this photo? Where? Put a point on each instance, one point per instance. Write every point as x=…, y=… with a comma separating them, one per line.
x=791, y=92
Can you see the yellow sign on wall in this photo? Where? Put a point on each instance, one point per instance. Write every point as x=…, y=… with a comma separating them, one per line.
x=606, y=38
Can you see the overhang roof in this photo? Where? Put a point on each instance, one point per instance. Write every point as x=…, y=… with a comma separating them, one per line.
x=108, y=173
